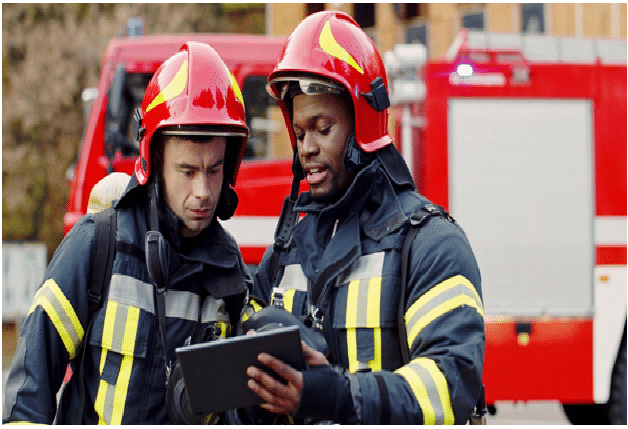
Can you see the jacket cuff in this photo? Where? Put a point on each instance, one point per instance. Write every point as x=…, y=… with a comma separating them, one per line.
x=326, y=395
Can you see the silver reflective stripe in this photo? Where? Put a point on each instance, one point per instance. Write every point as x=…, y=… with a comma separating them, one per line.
x=211, y=306
x=444, y=296
x=63, y=318
x=182, y=304
x=131, y=291
x=365, y=267
x=432, y=391
x=293, y=278
x=119, y=327
x=179, y=304
x=108, y=408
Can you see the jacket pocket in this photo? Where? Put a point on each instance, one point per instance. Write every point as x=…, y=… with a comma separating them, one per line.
x=360, y=322
x=121, y=332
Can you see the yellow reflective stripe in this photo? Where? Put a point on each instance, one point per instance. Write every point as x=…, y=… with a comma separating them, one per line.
x=51, y=298
x=111, y=399
x=329, y=44
x=363, y=311
x=107, y=340
x=288, y=299
x=174, y=88
x=256, y=306
x=452, y=293
x=429, y=387
x=126, y=366
x=99, y=405
x=373, y=319
x=236, y=88
x=351, y=319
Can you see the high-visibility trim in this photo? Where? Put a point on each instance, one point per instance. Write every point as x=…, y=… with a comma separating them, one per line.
x=429, y=387
x=452, y=293
x=329, y=44
x=236, y=87
x=122, y=386
x=211, y=306
x=288, y=299
x=363, y=311
x=351, y=322
x=60, y=311
x=173, y=89
x=119, y=334
x=179, y=304
x=256, y=305
x=373, y=319
x=293, y=278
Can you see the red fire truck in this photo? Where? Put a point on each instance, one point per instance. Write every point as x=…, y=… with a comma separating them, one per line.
x=530, y=157
x=528, y=154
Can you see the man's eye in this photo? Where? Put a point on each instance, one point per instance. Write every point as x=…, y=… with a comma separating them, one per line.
x=188, y=173
x=299, y=136
x=324, y=130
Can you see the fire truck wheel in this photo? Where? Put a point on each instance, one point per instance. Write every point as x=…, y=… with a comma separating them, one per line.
x=617, y=400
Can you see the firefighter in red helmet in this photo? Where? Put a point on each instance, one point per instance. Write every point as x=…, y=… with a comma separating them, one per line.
x=387, y=278
x=192, y=134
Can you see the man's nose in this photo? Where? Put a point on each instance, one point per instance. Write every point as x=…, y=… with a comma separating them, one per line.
x=309, y=145
x=202, y=190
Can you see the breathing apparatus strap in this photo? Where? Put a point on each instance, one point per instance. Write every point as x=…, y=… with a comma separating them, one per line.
x=288, y=217
x=157, y=258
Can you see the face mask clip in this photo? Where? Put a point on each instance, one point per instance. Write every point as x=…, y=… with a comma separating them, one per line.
x=378, y=97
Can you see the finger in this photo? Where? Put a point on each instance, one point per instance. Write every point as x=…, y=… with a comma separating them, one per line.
x=275, y=398
x=281, y=368
x=313, y=357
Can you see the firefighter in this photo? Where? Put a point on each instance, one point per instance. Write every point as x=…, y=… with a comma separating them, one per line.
x=192, y=133
x=339, y=267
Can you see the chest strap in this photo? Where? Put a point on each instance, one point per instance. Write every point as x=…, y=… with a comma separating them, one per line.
x=417, y=220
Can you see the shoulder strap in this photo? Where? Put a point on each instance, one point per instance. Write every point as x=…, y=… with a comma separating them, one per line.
x=103, y=251
x=417, y=219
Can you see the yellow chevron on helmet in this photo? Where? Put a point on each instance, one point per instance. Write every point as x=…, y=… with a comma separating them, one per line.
x=173, y=89
x=236, y=88
x=332, y=47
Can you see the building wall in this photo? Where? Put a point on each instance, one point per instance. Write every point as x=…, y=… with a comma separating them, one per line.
x=444, y=20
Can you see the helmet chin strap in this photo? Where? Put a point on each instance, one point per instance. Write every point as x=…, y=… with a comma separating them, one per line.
x=354, y=156
x=288, y=217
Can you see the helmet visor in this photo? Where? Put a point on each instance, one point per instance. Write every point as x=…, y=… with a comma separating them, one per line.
x=292, y=86
x=187, y=131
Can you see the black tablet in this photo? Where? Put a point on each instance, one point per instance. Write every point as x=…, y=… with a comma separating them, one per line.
x=215, y=372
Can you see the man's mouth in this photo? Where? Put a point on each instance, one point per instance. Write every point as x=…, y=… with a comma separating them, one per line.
x=316, y=174
x=199, y=213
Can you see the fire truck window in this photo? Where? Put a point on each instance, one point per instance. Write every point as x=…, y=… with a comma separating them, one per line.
x=473, y=21
x=532, y=19
x=268, y=137
x=135, y=88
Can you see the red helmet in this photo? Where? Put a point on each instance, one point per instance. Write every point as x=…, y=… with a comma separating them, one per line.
x=331, y=46
x=192, y=94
